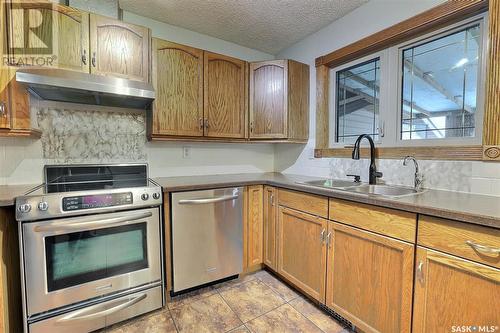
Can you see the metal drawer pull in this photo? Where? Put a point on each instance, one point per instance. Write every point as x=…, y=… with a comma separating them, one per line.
x=322, y=235
x=207, y=200
x=82, y=314
x=482, y=248
x=89, y=223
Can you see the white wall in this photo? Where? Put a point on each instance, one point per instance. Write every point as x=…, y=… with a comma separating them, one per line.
x=477, y=177
x=22, y=160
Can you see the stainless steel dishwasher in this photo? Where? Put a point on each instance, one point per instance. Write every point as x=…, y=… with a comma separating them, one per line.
x=207, y=236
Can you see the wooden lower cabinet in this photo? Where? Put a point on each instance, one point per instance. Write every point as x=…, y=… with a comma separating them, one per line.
x=270, y=226
x=451, y=292
x=302, y=251
x=254, y=226
x=370, y=279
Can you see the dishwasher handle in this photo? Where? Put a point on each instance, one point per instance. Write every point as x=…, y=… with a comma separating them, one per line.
x=208, y=200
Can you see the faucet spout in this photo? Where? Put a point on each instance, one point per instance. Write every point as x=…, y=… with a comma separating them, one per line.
x=418, y=179
x=373, y=174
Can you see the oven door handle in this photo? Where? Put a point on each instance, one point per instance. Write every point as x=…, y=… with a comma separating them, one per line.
x=87, y=223
x=84, y=314
x=207, y=200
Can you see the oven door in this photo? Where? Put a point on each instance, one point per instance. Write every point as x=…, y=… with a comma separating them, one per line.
x=76, y=259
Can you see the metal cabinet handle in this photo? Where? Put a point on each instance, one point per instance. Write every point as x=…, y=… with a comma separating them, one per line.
x=482, y=248
x=271, y=198
x=420, y=272
x=206, y=123
x=251, y=127
x=200, y=121
x=328, y=237
x=322, y=236
x=91, y=223
x=93, y=59
x=84, y=57
x=3, y=109
x=207, y=200
x=84, y=314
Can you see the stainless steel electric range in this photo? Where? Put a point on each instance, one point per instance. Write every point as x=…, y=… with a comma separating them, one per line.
x=90, y=243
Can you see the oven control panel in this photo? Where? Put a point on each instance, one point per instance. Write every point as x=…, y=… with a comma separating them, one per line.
x=96, y=201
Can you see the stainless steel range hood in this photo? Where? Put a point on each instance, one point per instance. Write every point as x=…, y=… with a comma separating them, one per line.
x=75, y=87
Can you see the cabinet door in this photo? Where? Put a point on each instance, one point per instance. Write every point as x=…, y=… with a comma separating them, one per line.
x=453, y=292
x=268, y=99
x=369, y=279
x=61, y=38
x=255, y=225
x=119, y=49
x=302, y=251
x=224, y=96
x=178, y=80
x=270, y=216
x=4, y=73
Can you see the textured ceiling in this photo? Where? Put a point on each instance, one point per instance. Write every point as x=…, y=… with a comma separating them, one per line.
x=269, y=26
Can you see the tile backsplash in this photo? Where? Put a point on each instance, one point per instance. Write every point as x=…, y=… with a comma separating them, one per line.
x=82, y=135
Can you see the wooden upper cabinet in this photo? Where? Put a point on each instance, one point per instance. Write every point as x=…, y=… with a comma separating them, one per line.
x=177, y=76
x=255, y=226
x=302, y=251
x=63, y=34
x=370, y=279
x=270, y=226
x=225, y=97
x=450, y=291
x=119, y=49
x=268, y=99
x=279, y=100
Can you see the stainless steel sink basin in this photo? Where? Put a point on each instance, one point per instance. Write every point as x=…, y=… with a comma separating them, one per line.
x=384, y=190
x=332, y=183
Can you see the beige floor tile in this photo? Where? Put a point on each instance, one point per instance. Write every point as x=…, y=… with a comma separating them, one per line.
x=156, y=322
x=321, y=319
x=241, y=329
x=251, y=299
x=233, y=283
x=208, y=314
x=275, y=284
x=190, y=297
x=283, y=319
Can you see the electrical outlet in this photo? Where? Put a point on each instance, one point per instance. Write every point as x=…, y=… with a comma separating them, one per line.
x=186, y=152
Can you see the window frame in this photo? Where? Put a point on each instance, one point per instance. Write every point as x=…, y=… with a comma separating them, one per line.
x=391, y=79
x=482, y=19
x=382, y=56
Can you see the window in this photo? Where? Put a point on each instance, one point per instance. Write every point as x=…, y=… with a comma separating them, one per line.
x=439, y=89
x=358, y=101
x=426, y=91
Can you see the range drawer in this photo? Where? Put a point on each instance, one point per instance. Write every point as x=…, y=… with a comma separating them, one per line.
x=477, y=243
x=309, y=203
x=388, y=222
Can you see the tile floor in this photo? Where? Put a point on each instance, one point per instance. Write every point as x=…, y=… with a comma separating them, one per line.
x=258, y=303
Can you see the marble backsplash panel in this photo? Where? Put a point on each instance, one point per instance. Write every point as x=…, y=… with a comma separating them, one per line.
x=82, y=135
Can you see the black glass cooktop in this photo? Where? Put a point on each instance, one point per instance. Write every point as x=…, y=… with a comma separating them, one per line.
x=70, y=178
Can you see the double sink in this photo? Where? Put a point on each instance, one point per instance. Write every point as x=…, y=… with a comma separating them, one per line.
x=363, y=188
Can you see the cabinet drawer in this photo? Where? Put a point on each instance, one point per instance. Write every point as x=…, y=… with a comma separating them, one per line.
x=481, y=244
x=389, y=222
x=309, y=203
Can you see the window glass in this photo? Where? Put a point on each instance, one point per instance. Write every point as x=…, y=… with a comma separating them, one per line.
x=357, y=101
x=439, y=87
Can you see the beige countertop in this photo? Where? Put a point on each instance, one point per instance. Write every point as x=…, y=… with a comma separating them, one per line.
x=8, y=193
x=466, y=207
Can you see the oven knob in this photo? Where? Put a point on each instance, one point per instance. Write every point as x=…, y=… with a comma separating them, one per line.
x=145, y=196
x=24, y=208
x=156, y=195
x=43, y=206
